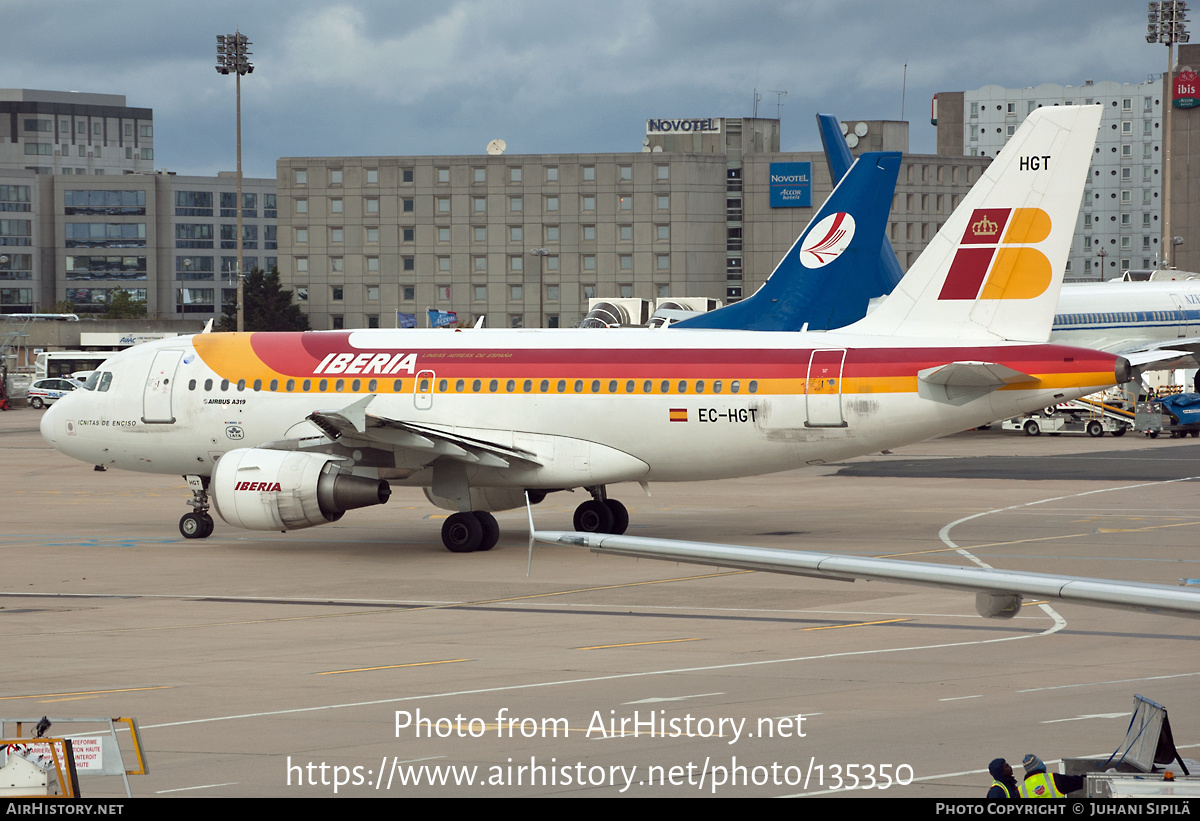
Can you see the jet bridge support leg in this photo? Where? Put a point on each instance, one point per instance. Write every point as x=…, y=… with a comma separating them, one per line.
x=198, y=524
x=601, y=514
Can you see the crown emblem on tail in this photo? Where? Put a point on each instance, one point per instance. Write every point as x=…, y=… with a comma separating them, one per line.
x=985, y=227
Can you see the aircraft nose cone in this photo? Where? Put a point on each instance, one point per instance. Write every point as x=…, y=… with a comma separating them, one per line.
x=48, y=424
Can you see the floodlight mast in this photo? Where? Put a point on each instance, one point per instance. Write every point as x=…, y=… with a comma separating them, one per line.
x=1167, y=24
x=232, y=54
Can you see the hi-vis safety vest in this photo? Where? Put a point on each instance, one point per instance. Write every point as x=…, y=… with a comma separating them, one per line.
x=1040, y=785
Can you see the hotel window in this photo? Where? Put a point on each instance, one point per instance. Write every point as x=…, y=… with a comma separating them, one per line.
x=443, y=263
x=335, y=176
x=406, y=175
x=372, y=293
x=408, y=292
x=373, y=264
x=372, y=176
x=589, y=203
x=663, y=262
x=589, y=173
x=373, y=235
x=626, y=202
x=625, y=290
x=625, y=232
x=443, y=293
x=406, y=234
x=480, y=233
x=301, y=236
x=551, y=263
x=516, y=264
x=663, y=232
x=406, y=205
x=480, y=293
x=552, y=173
x=551, y=233
x=515, y=203
x=336, y=265
x=664, y=202
x=301, y=206
x=551, y=203
x=479, y=204
x=443, y=234
x=301, y=265
x=406, y=263
x=372, y=205
x=589, y=262
x=443, y=175
x=552, y=293
x=479, y=264
x=443, y=205
x=626, y=262
x=301, y=176
x=336, y=234
x=480, y=174
x=589, y=232
x=662, y=172
x=516, y=292
x=625, y=172
x=514, y=174
x=515, y=233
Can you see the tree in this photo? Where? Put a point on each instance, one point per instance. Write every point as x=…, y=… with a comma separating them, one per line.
x=123, y=305
x=268, y=306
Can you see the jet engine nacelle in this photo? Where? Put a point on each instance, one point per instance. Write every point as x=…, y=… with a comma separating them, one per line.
x=262, y=489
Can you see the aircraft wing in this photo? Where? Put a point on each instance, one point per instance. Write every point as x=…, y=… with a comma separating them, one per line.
x=355, y=427
x=1174, y=353
x=998, y=592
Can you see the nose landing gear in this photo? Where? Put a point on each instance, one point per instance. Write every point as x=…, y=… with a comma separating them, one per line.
x=197, y=524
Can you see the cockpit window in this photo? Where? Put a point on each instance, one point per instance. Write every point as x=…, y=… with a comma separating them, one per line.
x=105, y=380
x=92, y=381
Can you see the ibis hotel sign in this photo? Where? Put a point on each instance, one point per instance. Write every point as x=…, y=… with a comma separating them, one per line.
x=710, y=125
x=791, y=185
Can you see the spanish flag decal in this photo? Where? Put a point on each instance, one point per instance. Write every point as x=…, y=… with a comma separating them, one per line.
x=678, y=414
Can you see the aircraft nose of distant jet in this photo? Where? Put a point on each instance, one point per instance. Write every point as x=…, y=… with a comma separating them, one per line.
x=48, y=424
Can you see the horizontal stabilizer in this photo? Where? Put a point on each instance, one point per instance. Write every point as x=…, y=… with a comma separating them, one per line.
x=961, y=380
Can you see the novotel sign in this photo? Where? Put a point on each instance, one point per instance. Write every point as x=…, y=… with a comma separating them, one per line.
x=711, y=125
x=791, y=185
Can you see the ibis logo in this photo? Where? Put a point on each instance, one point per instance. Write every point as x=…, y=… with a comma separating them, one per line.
x=994, y=259
x=826, y=241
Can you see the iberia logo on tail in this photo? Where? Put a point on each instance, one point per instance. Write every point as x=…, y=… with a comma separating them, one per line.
x=994, y=254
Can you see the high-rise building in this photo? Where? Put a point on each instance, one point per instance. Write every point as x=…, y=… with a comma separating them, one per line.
x=1119, y=224
x=706, y=209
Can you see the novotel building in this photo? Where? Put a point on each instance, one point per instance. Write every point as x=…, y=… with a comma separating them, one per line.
x=703, y=207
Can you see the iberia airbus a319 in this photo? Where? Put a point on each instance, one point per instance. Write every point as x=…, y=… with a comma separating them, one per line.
x=280, y=431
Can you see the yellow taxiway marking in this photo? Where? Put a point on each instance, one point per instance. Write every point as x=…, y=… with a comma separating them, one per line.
x=86, y=693
x=1140, y=529
x=856, y=624
x=634, y=644
x=390, y=667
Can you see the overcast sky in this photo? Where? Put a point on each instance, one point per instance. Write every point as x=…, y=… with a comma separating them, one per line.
x=367, y=77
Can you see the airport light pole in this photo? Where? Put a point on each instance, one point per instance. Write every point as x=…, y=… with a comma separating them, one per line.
x=1167, y=24
x=231, y=59
x=541, y=254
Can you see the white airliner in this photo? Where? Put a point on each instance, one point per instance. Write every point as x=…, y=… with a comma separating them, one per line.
x=289, y=430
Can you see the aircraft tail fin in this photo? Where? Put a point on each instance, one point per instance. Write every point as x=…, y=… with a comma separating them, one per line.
x=881, y=280
x=995, y=269
x=816, y=282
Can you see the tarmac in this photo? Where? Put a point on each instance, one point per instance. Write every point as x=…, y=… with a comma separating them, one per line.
x=361, y=658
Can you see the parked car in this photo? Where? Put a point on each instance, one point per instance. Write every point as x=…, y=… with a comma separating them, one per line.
x=45, y=392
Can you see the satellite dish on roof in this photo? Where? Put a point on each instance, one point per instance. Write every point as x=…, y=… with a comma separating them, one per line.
x=845, y=129
x=656, y=150
x=861, y=129
x=851, y=140
x=496, y=147
x=645, y=141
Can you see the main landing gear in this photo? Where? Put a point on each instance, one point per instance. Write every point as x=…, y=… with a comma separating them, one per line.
x=601, y=514
x=470, y=531
x=197, y=524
